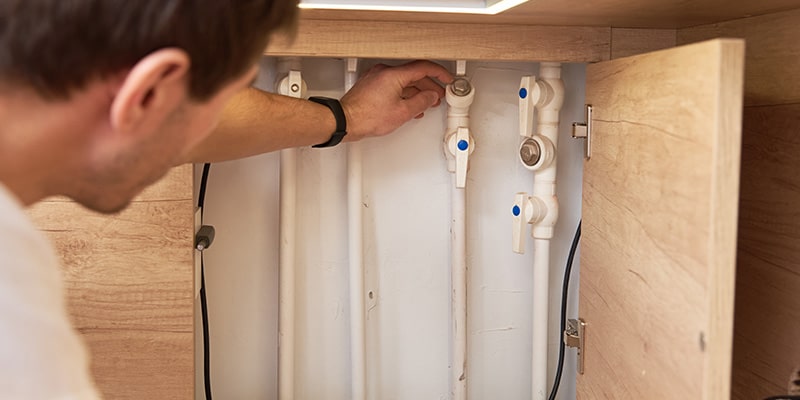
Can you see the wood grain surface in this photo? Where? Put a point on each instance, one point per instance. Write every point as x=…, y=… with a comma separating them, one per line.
x=767, y=321
x=773, y=54
x=129, y=280
x=766, y=345
x=444, y=41
x=659, y=214
x=628, y=42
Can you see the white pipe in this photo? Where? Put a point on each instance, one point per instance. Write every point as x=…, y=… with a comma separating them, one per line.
x=541, y=304
x=544, y=188
x=458, y=117
x=288, y=222
x=358, y=344
x=459, y=281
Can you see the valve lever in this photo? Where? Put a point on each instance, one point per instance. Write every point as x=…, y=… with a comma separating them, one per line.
x=463, y=144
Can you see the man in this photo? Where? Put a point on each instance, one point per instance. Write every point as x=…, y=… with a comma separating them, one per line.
x=99, y=98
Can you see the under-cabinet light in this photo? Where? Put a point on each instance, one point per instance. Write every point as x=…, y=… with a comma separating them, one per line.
x=489, y=7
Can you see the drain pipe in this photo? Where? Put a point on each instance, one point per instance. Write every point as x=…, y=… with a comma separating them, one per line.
x=358, y=344
x=538, y=153
x=291, y=85
x=459, y=144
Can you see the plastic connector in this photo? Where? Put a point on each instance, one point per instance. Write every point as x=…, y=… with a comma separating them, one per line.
x=204, y=237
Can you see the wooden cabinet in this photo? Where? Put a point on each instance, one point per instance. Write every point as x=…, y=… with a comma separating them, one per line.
x=130, y=276
x=659, y=223
x=129, y=279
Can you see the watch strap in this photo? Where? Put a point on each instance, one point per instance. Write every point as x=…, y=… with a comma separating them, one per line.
x=341, y=121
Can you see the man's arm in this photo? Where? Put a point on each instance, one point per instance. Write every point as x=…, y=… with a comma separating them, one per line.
x=385, y=98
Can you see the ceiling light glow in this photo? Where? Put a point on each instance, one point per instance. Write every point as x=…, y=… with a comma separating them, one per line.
x=488, y=7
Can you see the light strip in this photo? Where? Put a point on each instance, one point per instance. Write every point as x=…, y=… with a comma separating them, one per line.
x=481, y=8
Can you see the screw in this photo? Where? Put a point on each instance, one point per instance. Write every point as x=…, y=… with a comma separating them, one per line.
x=295, y=87
x=530, y=152
x=461, y=87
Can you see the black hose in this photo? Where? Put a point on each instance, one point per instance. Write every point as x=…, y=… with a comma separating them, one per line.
x=564, y=295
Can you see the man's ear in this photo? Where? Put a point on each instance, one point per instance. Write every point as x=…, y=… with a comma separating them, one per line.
x=154, y=86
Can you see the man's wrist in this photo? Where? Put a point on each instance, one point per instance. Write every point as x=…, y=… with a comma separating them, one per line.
x=340, y=117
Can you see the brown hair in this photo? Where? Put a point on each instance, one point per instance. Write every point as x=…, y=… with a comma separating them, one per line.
x=58, y=46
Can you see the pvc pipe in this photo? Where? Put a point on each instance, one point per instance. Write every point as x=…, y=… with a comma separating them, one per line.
x=288, y=222
x=541, y=304
x=544, y=188
x=355, y=232
x=459, y=282
x=458, y=117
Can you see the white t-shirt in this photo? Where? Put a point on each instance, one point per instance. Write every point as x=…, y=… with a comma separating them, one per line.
x=41, y=356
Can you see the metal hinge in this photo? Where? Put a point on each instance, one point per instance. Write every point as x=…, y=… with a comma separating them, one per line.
x=574, y=337
x=583, y=130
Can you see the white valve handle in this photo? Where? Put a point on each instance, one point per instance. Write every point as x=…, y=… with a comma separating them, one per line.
x=293, y=85
x=526, y=210
x=520, y=222
x=529, y=94
x=463, y=147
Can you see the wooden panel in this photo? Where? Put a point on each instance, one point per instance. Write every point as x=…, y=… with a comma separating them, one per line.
x=129, y=280
x=369, y=39
x=773, y=54
x=766, y=323
x=616, y=13
x=170, y=187
x=766, y=345
x=659, y=215
x=628, y=42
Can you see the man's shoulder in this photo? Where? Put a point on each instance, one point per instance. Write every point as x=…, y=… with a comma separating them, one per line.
x=22, y=245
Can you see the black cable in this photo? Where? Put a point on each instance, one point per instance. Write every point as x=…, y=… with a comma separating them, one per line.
x=201, y=200
x=201, y=196
x=564, y=294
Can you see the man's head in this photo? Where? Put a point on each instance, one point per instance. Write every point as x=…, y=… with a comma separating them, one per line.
x=127, y=85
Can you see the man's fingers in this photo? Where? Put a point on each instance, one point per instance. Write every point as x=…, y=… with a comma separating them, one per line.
x=422, y=101
x=410, y=91
x=429, y=84
x=418, y=70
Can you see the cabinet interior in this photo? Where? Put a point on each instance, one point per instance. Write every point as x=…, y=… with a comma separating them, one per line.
x=129, y=342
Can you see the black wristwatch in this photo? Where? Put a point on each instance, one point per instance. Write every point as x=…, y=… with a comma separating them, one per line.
x=341, y=122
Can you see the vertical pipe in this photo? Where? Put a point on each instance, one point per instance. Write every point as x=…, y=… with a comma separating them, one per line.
x=541, y=304
x=458, y=117
x=288, y=222
x=459, y=279
x=544, y=188
x=356, y=254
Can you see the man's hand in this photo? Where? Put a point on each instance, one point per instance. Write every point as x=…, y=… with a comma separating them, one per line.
x=387, y=97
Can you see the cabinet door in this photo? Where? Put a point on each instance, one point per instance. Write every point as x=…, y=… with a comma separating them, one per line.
x=660, y=201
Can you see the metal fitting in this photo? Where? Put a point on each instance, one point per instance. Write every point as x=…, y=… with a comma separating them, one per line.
x=461, y=87
x=530, y=152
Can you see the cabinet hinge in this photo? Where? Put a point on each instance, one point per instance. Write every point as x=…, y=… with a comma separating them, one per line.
x=574, y=336
x=583, y=130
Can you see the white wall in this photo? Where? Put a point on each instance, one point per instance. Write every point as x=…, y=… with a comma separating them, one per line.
x=406, y=214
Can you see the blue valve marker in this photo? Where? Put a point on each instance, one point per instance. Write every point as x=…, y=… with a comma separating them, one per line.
x=516, y=211
x=463, y=145
x=523, y=93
